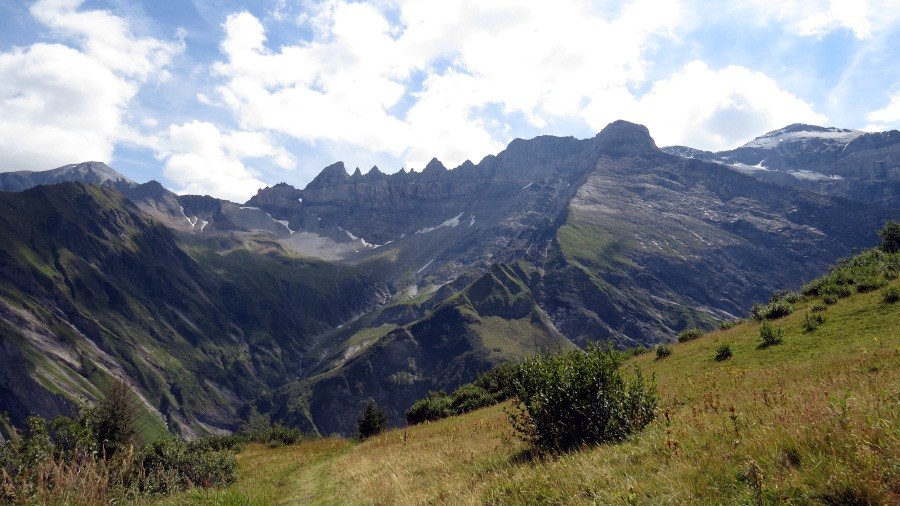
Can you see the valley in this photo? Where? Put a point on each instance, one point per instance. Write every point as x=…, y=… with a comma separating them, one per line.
x=300, y=305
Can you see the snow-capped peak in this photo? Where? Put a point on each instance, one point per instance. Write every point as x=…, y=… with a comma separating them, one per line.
x=800, y=132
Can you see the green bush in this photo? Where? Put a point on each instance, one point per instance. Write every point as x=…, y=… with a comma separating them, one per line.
x=723, y=352
x=435, y=406
x=470, y=397
x=771, y=311
x=818, y=307
x=637, y=350
x=372, y=421
x=580, y=398
x=689, y=335
x=811, y=321
x=890, y=237
x=170, y=465
x=770, y=335
x=890, y=295
x=663, y=351
x=729, y=324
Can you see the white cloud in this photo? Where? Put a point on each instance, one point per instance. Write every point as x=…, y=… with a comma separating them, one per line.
x=62, y=103
x=885, y=118
x=817, y=18
x=712, y=109
x=415, y=89
x=201, y=159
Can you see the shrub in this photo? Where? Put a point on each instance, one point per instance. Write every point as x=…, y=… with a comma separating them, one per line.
x=723, y=352
x=663, y=351
x=771, y=311
x=870, y=283
x=637, y=350
x=818, y=307
x=890, y=237
x=433, y=407
x=689, y=335
x=498, y=381
x=812, y=321
x=770, y=335
x=890, y=295
x=170, y=465
x=580, y=398
x=372, y=421
x=470, y=397
x=729, y=324
x=830, y=299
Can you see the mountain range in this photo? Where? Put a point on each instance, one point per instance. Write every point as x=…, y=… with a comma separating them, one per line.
x=300, y=305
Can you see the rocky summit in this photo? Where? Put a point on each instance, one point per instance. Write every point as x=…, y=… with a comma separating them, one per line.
x=302, y=304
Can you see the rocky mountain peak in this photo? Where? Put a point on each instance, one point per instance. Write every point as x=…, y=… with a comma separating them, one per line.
x=623, y=138
x=333, y=175
x=434, y=166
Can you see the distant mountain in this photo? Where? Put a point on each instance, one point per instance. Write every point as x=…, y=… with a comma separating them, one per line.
x=97, y=173
x=862, y=166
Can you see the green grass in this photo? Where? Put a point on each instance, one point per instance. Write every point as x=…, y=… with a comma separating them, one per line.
x=814, y=419
x=592, y=247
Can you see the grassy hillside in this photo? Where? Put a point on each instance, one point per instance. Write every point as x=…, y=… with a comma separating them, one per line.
x=813, y=419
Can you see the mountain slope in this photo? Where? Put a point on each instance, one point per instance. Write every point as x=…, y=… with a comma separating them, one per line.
x=92, y=288
x=810, y=420
x=493, y=320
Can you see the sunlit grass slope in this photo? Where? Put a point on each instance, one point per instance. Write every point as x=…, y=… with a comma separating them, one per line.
x=811, y=420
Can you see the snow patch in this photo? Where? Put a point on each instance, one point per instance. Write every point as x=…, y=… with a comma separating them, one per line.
x=285, y=223
x=773, y=139
x=352, y=237
x=452, y=223
x=192, y=222
x=809, y=175
x=425, y=266
x=527, y=185
x=250, y=207
x=471, y=220
x=203, y=224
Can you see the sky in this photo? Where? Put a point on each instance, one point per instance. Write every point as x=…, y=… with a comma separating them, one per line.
x=223, y=97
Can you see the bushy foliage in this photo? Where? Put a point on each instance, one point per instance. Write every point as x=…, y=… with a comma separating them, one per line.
x=723, y=352
x=811, y=321
x=772, y=311
x=770, y=334
x=890, y=237
x=372, y=421
x=663, y=351
x=637, y=350
x=94, y=459
x=689, y=335
x=435, y=406
x=891, y=295
x=867, y=271
x=580, y=398
x=729, y=324
x=488, y=389
x=171, y=465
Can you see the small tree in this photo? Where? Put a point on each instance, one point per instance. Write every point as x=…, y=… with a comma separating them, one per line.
x=115, y=419
x=890, y=237
x=372, y=421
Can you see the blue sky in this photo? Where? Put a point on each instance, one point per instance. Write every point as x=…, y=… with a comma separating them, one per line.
x=223, y=97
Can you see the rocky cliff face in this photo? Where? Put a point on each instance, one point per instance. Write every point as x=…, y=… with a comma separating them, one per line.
x=844, y=163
